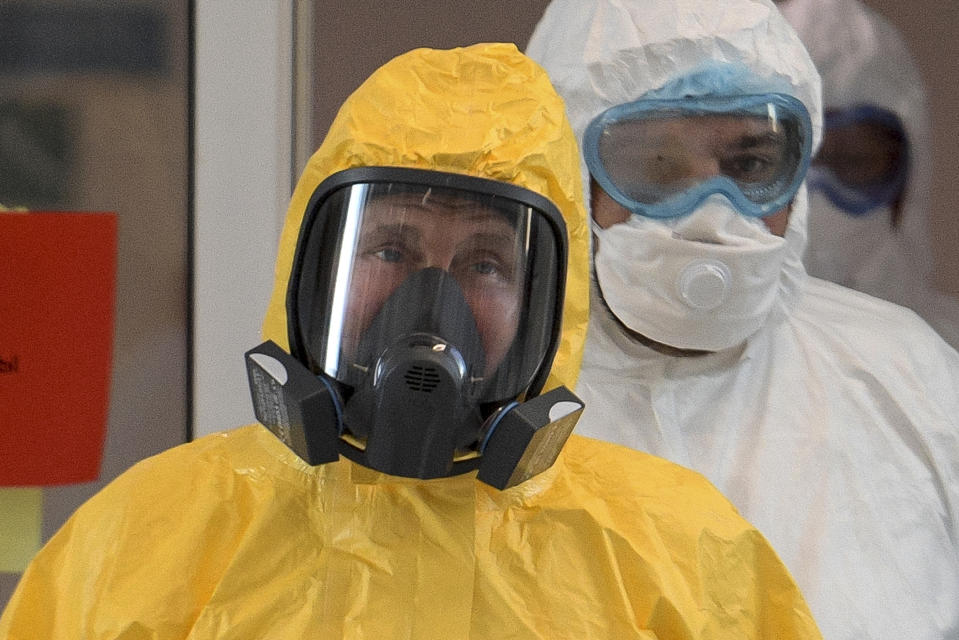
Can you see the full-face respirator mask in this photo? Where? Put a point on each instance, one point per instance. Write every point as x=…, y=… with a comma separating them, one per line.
x=424, y=312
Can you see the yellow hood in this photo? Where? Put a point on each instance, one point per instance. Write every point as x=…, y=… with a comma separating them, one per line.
x=486, y=111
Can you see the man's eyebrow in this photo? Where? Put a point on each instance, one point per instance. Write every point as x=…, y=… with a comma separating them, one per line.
x=498, y=241
x=750, y=140
x=494, y=237
x=389, y=229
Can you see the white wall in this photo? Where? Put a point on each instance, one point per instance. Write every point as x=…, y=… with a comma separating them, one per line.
x=242, y=186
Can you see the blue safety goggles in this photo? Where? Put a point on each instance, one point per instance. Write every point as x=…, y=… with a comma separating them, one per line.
x=661, y=158
x=864, y=161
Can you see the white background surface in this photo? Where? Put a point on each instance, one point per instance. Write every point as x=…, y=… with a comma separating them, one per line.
x=242, y=186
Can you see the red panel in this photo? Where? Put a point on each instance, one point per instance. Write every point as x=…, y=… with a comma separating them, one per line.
x=57, y=283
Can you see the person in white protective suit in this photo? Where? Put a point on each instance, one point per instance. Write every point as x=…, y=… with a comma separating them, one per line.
x=870, y=183
x=827, y=416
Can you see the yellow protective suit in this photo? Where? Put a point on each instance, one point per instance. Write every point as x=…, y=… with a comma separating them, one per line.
x=234, y=537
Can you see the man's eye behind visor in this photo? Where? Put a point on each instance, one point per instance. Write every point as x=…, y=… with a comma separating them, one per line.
x=662, y=158
x=418, y=258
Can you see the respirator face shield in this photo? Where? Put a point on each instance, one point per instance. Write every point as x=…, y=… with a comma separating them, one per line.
x=432, y=256
x=428, y=304
x=661, y=158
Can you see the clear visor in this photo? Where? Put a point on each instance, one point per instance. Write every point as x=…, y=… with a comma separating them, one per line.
x=661, y=158
x=438, y=267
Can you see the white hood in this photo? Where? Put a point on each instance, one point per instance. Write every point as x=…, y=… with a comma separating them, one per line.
x=600, y=54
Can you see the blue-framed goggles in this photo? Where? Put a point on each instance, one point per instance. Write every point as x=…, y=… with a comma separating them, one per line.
x=662, y=158
x=864, y=160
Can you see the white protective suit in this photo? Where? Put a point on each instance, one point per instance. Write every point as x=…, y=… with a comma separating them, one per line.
x=863, y=59
x=834, y=427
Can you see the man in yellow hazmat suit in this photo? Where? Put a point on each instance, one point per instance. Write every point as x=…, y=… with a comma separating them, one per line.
x=452, y=178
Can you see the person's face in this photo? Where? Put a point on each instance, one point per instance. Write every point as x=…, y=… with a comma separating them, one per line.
x=404, y=233
x=668, y=155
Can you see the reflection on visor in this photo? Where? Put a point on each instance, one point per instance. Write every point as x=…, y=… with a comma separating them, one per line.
x=661, y=158
x=470, y=273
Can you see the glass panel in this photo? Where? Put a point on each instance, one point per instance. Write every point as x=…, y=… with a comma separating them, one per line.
x=94, y=115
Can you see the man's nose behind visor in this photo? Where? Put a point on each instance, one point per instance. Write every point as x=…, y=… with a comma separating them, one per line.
x=661, y=158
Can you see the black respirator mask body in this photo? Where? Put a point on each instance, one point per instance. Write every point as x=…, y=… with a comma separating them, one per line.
x=424, y=313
